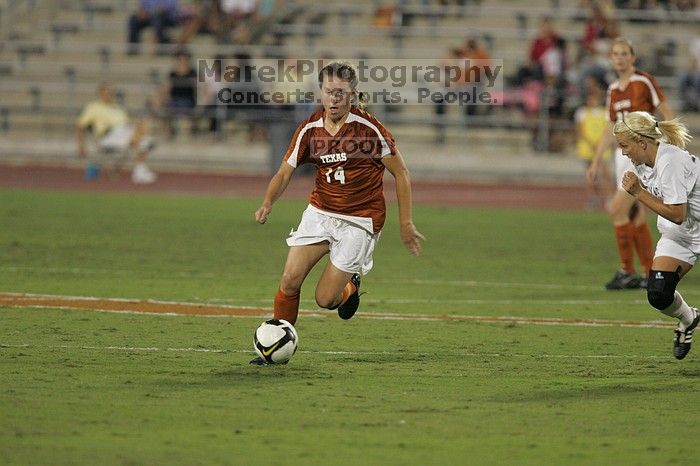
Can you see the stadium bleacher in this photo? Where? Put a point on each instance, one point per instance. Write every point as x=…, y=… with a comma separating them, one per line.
x=54, y=53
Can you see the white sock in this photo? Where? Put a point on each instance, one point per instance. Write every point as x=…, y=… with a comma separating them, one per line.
x=680, y=310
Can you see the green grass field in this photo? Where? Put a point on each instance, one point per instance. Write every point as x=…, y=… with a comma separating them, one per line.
x=81, y=387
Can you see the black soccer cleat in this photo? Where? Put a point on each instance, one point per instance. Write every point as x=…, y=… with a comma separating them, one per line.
x=684, y=338
x=624, y=281
x=349, y=307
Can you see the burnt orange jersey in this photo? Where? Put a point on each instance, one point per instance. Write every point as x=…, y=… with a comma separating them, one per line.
x=642, y=93
x=349, y=169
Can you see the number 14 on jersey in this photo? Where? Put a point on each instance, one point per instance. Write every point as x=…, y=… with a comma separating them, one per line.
x=338, y=175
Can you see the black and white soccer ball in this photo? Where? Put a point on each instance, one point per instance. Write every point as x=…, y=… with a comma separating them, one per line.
x=276, y=341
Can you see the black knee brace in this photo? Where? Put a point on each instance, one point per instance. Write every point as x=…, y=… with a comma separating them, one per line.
x=661, y=288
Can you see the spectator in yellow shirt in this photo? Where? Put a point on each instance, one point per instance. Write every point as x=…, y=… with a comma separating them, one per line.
x=591, y=121
x=110, y=124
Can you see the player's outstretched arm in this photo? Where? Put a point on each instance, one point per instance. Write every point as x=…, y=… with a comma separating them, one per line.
x=275, y=188
x=410, y=236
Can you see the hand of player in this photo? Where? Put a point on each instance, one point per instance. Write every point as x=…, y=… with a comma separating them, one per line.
x=411, y=238
x=630, y=182
x=262, y=213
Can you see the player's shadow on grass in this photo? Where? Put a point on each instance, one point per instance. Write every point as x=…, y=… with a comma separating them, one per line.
x=247, y=372
x=583, y=391
x=312, y=368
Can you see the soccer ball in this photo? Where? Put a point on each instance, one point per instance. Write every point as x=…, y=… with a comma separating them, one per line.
x=275, y=341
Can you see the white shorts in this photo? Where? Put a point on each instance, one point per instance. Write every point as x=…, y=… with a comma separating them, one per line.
x=681, y=242
x=671, y=248
x=119, y=138
x=622, y=165
x=351, y=246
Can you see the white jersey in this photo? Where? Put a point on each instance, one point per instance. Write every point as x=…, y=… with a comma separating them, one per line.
x=674, y=180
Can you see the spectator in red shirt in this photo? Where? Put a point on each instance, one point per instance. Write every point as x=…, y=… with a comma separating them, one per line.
x=545, y=40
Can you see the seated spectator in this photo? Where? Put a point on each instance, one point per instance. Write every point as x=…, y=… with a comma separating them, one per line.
x=472, y=50
x=182, y=91
x=546, y=39
x=689, y=88
x=593, y=59
x=387, y=16
x=214, y=109
x=554, y=64
x=158, y=14
x=236, y=15
x=551, y=94
x=204, y=19
x=229, y=21
x=594, y=30
x=110, y=124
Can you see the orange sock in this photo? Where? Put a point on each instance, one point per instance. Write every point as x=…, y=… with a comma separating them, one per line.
x=349, y=289
x=624, y=236
x=643, y=245
x=286, y=307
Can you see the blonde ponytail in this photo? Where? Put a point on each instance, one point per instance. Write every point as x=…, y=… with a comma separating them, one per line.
x=674, y=132
x=636, y=125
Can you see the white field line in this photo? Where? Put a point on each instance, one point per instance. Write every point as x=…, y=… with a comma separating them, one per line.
x=478, y=284
x=580, y=302
x=334, y=353
x=469, y=302
x=458, y=283
x=414, y=282
x=265, y=313
x=227, y=304
x=96, y=271
x=118, y=300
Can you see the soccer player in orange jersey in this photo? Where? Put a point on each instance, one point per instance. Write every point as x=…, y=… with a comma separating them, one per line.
x=346, y=212
x=633, y=91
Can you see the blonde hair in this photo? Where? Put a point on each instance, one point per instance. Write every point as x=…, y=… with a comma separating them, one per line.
x=637, y=125
x=622, y=41
x=345, y=71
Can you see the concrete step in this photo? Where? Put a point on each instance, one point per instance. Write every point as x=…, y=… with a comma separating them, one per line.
x=425, y=161
x=63, y=100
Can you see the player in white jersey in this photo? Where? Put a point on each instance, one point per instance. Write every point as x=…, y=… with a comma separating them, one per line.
x=666, y=181
x=633, y=91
